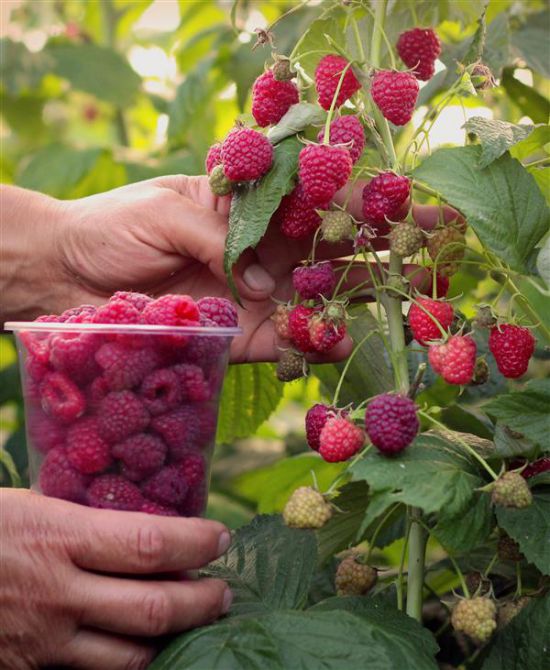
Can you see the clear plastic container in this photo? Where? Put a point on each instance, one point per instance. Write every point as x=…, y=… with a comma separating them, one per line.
x=122, y=416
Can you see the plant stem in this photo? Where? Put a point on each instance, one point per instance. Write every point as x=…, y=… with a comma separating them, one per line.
x=418, y=539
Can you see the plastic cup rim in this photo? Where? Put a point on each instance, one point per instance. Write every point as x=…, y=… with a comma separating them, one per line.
x=139, y=328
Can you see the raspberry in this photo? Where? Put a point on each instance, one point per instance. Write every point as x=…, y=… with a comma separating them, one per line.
x=395, y=94
x=441, y=285
x=219, y=184
x=327, y=77
x=297, y=218
x=37, y=346
x=117, y=311
x=125, y=368
x=246, y=154
x=280, y=321
x=384, y=198
x=419, y=48
x=61, y=398
x=203, y=349
x=406, y=239
x=193, y=386
x=114, y=492
x=291, y=365
x=476, y=617
x=391, y=422
x=298, y=326
x=167, y=487
x=160, y=391
x=141, y=455
x=508, y=610
x=511, y=490
x=150, y=507
x=195, y=501
x=95, y=393
x=193, y=467
x=306, y=508
x=271, y=99
x=346, y=130
x=446, y=248
x=422, y=325
x=313, y=281
x=181, y=429
x=82, y=314
x=353, y=577
x=172, y=310
x=44, y=432
x=455, y=359
x=536, y=468
x=121, y=414
x=512, y=346
x=508, y=549
x=337, y=226
x=137, y=300
x=323, y=170
x=325, y=333
x=59, y=479
x=340, y=439
x=213, y=157
x=220, y=310
x=316, y=418
x=35, y=369
x=481, y=372
x=86, y=450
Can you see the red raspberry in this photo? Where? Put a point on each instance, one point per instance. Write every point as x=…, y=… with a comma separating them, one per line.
x=117, y=311
x=219, y=310
x=73, y=353
x=95, y=393
x=82, y=314
x=512, y=346
x=44, y=432
x=59, y=479
x=271, y=99
x=327, y=77
x=298, y=326
x=48, y=318
x=384, y=198
x=213, y=157
x=454, y=360
x=137, y=300
x=419, y=48
x=205, y=350
x=181, y=429
x=246, y=155
x=323, y=170
x=391, y=422
x=167, y=487
x=347, y=130
x=141, y=455
x=535, y=468
x=61, y=398
x=35, y=369
x=160, y=391
x=195, y=502
x=207, y=416
x=441, y=285
x=114, y=492
x=296, y=216
x=423, y=327
x=37, y=345
x=395, y=94
x=193, y=386
x=86, y=450
x=340, y=439
x=280, y=321
x=121, y=414
x=124, y=368
x=313, y=281
x=324, y=333
x=150, y=507
x=172, y=310
x=193, y=468
x=316, y=418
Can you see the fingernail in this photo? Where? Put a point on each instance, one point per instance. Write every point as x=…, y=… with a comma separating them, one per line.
x=224, y=542
x=227, y=600
x=258, y=279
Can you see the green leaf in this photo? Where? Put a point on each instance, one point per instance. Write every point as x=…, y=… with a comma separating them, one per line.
x=253, y=205
x=525, y=411
x=530, y=102
x=508, y=445
x=468, y=529
x=96, y=70
x=314, y=41
x=6, y=461
x=228, y=511
x=533, y=143
x=543, y=262
x=530, y=528
x=250, y=394
x=298, y=117
x=20, y=69
x=268, y=566
x=495, y=136
x=530, y=43
x=10, y=383
x=502, y=202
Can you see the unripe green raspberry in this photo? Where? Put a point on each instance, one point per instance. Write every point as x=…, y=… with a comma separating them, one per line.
x=354, y=578
x=508, y=610
x=219, y=183
x=446, y=247
x=292, y=365
x=306, y=508
x=508, y=549
x=406, y=239
x=337, y=226
x=476, y=617
x=481, y=372
x=511, y=490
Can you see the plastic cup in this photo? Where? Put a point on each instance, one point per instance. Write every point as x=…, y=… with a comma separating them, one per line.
x=122, y=416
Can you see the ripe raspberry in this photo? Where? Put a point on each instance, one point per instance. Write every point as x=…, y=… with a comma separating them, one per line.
x=160, y=391
x=508, y=610
x=172, y=310
x=323, y=170
x=220, y=310
x=337, y=226
x=219, y=184
x=87, y=451
x=446, y=248
x=327, y=77
x=37, y=346
x=137, y=300
x=213, y=157
x=246, y=154
x=125, y=368
x=82, y=314
x=202, y=349
x=44, y=432
x=195, y=501
x=419, y=48
x=512, y=346
x=353, y=577
x=150, y=507
x=441, y=285
x=117, y=311
x=96, y=391
x=481, y=372
x=121, y=414
x=423, y=327
x=384, y=198
x=316, y=418
x=114, y=492
x=193, y=467
x=340, y=439
x=325, y=333
x=406, y=239
x=271, y=99
x=193, y=386
x=391, y=422
x=511, y=490
x=59, y=479
x=313, y=281
x=291, y=365
x=141, y=455
x=298, y=325
x=306, y=508
x=280, y=321
x=536, y=468
x=35, y=369
x=346, y=130
x=296, y=216
x=61, y=398
x=167, y=487
x=476, y=617
x=508, y=549
x=181, y=429
x=395, y=94
x=454, y=360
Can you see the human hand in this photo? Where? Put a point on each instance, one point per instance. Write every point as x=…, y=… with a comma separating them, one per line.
x=65, y=589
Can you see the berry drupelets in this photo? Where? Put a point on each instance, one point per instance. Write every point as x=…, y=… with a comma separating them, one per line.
x=395, y=94
x=323, y=170
x=271, y=99
x=512, y=347
x=424, y=316
x=306, y=508
x=246, y=154
x=348, y=132
x=391, y=422
x=455, y=359
x=327, y=77
x=419, y=48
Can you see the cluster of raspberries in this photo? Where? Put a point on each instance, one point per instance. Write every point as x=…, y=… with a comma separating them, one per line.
x=125, y=419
